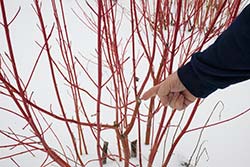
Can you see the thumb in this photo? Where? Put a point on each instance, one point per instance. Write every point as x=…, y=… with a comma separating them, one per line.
x=151, y=92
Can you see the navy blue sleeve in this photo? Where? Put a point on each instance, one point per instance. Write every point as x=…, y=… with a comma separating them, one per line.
x=225, y=62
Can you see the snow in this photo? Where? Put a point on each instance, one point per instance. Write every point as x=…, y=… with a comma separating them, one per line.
x=226, y=144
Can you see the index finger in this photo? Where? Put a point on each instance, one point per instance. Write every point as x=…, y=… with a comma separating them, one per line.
x=151, y=92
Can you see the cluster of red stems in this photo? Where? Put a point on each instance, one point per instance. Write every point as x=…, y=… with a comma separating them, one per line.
x=160, y=36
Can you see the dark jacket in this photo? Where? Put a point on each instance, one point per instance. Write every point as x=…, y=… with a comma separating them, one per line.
x=225, y=62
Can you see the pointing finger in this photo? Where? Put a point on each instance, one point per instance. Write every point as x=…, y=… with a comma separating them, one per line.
x=151, y=92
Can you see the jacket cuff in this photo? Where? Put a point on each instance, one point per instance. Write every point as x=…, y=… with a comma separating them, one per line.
x=193, y=83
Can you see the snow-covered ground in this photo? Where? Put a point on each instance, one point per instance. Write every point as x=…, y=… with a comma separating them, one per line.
x=226, y=145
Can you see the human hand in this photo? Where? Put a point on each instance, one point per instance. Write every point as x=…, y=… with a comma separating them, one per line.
x=171, y=92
